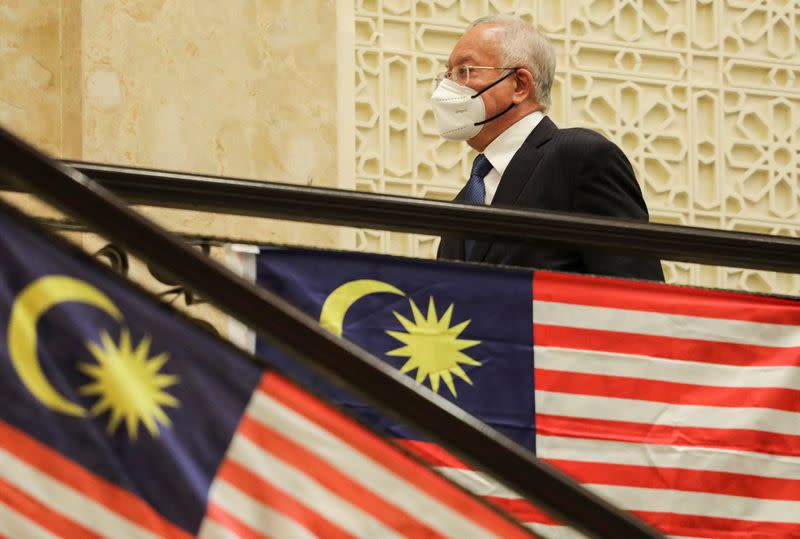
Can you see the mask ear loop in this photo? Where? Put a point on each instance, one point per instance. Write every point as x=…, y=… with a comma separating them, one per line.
x=495, y=83
x=498, y=81
x=511, y=106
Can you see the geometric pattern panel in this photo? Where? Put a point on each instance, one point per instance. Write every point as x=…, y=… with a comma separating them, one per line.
x=703, y=96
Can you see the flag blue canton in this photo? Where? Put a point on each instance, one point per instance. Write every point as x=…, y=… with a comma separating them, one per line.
x=487, y=335
x=67, y=306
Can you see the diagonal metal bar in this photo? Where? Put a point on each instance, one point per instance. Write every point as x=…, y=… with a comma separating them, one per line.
x=300, y=336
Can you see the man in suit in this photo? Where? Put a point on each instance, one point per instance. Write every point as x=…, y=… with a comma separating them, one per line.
x=494, y=95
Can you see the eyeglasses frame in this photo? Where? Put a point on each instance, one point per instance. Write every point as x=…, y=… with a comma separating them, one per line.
x=447, y=74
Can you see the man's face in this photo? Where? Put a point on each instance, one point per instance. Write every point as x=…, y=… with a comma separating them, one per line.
x=480, y=46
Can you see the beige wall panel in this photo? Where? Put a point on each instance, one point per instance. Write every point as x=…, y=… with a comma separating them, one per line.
x=29, y=72
x=244, y=89
x=40, y=80
x=39, y=64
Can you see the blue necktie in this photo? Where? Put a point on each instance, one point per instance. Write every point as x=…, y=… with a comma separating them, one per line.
x=475, y=191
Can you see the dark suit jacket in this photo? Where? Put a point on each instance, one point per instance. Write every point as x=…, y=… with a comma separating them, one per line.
x=571, y=170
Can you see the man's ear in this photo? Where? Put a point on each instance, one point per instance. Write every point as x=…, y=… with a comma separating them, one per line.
x=523, y=89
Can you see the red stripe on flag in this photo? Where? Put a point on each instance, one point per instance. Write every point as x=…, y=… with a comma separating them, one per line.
x=668, y=523
x=619, y=342
x=733, y=484
x=716, y=527
x=659, y=297
x=26, y=505
x=625, y=431
x=522, y=510
x=388, y=456
x=431, y=453
x=59, y=467
x=231, y=523
x=268, y=494
x=668, y=392
x=331, y=478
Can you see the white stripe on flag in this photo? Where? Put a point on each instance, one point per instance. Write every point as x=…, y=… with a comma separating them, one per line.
x=660, y=413
x=665, y=370
x=699, y=503
x=362, y=469
x=307, y=490
x=242, y=260
x=476, y=482
x=70, y=502
x=667, y=456
x=665, y=325
x=209, y=529
x=255, y=514
x=12, y=524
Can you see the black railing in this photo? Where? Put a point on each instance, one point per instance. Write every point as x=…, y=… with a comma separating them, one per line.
x=348, y=208
x=300, y=336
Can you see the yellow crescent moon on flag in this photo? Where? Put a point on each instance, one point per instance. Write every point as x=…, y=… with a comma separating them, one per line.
x=34, y=300
x=340, y=300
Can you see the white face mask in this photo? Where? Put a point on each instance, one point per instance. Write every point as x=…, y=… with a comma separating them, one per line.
x=459, y=110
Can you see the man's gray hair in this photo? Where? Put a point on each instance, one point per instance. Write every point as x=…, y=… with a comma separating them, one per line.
x=523, y=45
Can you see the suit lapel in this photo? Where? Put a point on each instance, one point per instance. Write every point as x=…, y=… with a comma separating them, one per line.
x=522, y=165
x=517, y=174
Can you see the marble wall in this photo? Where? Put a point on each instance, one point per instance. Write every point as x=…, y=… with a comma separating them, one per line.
x=39, y=69
x=245, y=91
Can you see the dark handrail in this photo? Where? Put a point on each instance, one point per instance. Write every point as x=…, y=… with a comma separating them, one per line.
x=340, y=207
x=299, y=335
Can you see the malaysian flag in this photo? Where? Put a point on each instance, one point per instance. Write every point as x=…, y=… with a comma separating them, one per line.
x=119, y=418
x=677, y=404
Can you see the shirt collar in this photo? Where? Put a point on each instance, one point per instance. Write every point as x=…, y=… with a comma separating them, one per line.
x=502, y=149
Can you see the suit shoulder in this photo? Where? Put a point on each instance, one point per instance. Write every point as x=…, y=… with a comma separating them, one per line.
x=581, y=138
x=585, y=146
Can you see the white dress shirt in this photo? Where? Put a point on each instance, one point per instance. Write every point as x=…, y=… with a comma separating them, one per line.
x=500, y=151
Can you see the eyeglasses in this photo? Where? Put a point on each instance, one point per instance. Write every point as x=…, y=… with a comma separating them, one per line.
x=460, y=74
